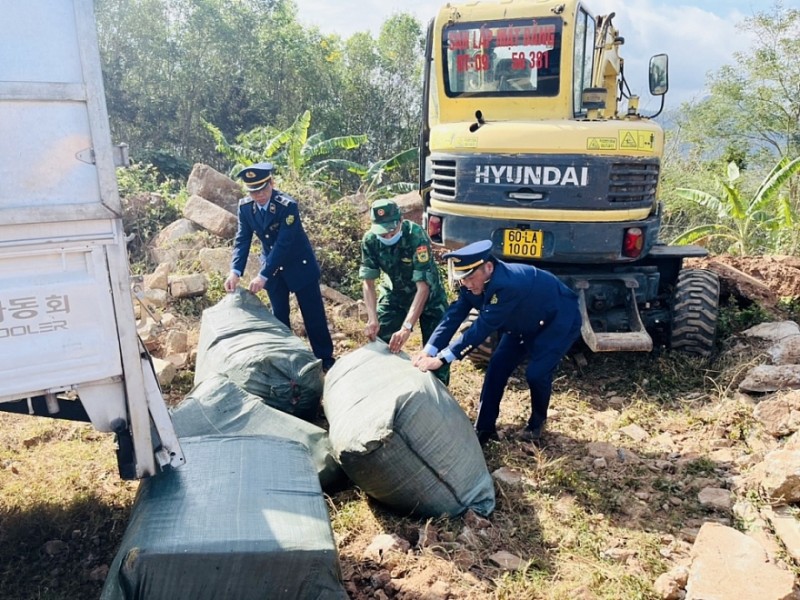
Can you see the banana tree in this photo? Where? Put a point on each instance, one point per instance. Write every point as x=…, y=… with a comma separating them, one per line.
x=746, y=225
x=373, y=176
x=293, y=150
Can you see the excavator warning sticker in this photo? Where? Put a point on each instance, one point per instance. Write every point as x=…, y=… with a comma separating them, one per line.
x=601, y=143
x=463, y=141
x=630, y=139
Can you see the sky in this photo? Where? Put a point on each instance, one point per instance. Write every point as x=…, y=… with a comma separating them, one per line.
x=699, y=36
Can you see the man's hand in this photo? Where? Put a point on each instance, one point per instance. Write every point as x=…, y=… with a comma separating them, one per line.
x=371, y=330
x=427, y=363
x=399, y=338
x=257, y=284
x=417, y=356
x=231, y=282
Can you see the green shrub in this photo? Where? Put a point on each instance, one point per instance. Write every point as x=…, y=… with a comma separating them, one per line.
x=734, y=318
x=148, y=206
x=335, y=230
x=168, y=166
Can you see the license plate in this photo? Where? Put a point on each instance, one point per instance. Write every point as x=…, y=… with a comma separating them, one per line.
x=523, y=243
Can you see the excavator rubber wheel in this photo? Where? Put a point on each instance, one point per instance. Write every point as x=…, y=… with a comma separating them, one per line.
x=695, y=310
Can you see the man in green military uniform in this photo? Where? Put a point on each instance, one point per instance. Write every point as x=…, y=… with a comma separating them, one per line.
x=411, y=288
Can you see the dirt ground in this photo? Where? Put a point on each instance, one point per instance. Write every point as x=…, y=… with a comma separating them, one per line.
x=762, y=279
x=581, y=532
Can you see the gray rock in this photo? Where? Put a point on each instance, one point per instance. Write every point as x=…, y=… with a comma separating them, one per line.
x=211, y=217
x=214, y=187
x=507, y=560
x=727, y=564
x=773, y=331
x=780, y=415
x=176, y=241
x=768, y=378
x=188, y=286
x=786, y=351
x=717, y=498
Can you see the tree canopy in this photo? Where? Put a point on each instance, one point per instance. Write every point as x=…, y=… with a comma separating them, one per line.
x=185, y=76
x=170, y=65
x=750, y=116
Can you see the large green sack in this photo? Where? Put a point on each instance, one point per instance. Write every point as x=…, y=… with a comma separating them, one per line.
x=229, y=524
x=219, y=406
x=402, y=438
x=240, y=338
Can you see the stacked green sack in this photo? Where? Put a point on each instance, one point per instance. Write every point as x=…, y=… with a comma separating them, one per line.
x=241, y=339
x=219, y=406
x=229, y=524
x=402, y=438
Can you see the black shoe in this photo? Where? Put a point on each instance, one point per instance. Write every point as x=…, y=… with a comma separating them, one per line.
x=485, y=436
x=532, y=434
x=327, y=364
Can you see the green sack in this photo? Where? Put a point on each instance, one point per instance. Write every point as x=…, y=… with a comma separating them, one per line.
x=402, y=438
x=229, y=524
x=241, y=339
x=219, y=406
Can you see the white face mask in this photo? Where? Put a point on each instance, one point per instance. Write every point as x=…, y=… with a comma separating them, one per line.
x=392, y=240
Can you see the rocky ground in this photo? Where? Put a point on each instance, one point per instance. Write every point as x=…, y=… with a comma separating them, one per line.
x=603, y=428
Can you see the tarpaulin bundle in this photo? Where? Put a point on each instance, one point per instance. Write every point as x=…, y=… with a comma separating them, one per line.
x=241, y=339
x=219, y=406
x=229, y=524
x=402, y=438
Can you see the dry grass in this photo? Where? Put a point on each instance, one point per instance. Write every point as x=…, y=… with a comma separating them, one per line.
x=582, y=530
x=63, y=508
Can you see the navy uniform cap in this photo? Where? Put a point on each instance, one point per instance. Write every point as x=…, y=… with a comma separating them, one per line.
x=257, y=176
x=465, y=260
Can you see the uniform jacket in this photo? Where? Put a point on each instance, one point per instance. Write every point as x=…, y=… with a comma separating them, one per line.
x=519, y=299
x=285, y=249
x=410, y=260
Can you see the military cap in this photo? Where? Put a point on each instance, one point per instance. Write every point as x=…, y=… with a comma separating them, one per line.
x=257, y=176
x=385, y=216
x=465, y=260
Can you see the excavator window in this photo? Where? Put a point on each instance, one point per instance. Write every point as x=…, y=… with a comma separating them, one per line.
x=583, y=59
x=519, y=57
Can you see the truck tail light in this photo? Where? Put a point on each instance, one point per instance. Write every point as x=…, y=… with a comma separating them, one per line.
x=633, y=242
x=435, y=228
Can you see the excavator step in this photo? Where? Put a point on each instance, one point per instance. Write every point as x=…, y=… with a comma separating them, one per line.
x=635, y=340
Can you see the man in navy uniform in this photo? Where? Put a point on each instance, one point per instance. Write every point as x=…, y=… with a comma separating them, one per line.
x=288, y=263
x=536, y=316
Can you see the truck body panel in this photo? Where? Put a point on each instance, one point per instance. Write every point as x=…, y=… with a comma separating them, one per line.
x=67, y=328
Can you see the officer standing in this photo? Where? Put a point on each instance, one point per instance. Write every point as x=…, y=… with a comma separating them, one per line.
x=411, y=290
x=536, y=316
x=288, y=263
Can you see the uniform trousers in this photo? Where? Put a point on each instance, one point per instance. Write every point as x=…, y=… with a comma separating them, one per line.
x=309, y=299
x=544, y=351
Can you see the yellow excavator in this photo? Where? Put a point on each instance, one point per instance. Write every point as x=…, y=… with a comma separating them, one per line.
x=532, y=138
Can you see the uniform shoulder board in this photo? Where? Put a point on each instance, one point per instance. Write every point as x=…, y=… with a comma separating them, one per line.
x=245, y=200
x=284, y=199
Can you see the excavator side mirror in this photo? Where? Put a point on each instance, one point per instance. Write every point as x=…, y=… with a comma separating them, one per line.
x=659, y=74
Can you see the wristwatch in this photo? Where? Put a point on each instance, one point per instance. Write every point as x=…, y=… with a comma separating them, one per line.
x=408, y=326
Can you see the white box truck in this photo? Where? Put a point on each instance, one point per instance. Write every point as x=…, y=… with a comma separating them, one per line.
x=68, y=342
